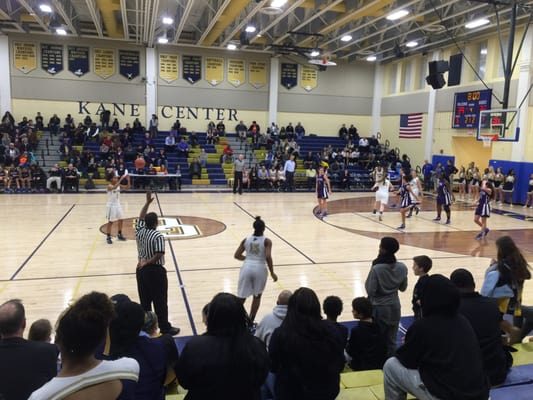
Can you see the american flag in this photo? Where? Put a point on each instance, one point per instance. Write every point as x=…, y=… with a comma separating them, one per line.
x=411, y=126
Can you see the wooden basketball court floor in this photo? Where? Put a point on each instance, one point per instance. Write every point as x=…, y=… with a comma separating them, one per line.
x=53, y=250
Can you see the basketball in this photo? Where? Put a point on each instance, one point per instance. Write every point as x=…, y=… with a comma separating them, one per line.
x=140, y=163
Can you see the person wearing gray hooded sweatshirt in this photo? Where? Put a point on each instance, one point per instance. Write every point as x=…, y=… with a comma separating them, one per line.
x=274, y=319
x=385, y=278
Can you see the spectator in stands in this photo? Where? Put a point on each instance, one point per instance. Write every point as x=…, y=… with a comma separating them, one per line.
x=427, y=171
x=203, y=157
x=289, y=129
x=11, y=155
x=263, y=178
x=115, y=126
x=241, y=130
x=386, y=277
x=227, y=362
x=485, y=318
x=299, y=130
x=440, y=358
x=24, y=365
x=162, y=158
x=345, y=180
x=310, y=174
x=41, y=331
x=93, y=131
x=170, y=143
x=273, y=320
x=137, y=129
x=352, y=134
x=421, y=266
x=367, y=346
x=13, y=178
x=39, y=122
x=4, y=179
x=80, y=330
x=332, y=307
x=221, y=128
x=195, y=168
x=157, y=357
x=25, y=178
x=183, y=148
x=227, y=154
x=193, y=139
x=309, y=160
x=254, y=128
x=178, y=177
x=54, y=176
x=72, y=179
x=105, y=118
x=343, y=132
x=54, y=124
x=306, y=351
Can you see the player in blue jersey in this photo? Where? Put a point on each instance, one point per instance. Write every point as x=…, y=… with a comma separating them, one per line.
x=444, y=198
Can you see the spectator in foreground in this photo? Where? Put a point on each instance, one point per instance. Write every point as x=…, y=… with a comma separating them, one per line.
x=367, y=347
x=332, y=307
x=24, y=365
x=80, y=330
x=271, y=321
x=421, y=267
x=227, y=362
x=41, y=331
x=306, y=352
x=386, y=277
x=441, y=358
x=485, y=318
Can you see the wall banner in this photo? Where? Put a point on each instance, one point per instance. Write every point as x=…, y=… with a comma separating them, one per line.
x=236, y=72
x=24, y=56
x=52, y=58
x=104, y=62
x=214, y=70
x=129, y=63
x=308, y=77
x=168, y=67
x=289, y=75
x=78, y=60
x=257, y=73
x=192, y=68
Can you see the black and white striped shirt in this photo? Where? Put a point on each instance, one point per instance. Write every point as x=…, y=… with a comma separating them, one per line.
x=149, y=242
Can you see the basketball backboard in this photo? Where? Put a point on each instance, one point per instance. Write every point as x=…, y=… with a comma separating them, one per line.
x=503, y=123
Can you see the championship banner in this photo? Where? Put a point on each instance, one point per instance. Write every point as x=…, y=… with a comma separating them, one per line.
x=236, y=72
x=289, y=75
x=129, y=63
x=104, y=62
x=24, y=56
x=257, y=73
x=214, y=70
x=309, y=77
x=52, y=58
x=78, y=60
x=192, y=68
x=168, y=67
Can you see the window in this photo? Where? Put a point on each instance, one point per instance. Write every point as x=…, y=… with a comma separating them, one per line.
x=406, y=81
x=423, y=73
x=393, y=76
x=481, y=60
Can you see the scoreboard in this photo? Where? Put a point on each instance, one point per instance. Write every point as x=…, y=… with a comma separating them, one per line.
x=466, y=108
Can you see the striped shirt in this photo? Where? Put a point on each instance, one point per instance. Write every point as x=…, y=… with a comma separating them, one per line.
x=149, y=242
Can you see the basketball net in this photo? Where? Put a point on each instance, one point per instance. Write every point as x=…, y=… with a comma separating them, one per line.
x=488, y=139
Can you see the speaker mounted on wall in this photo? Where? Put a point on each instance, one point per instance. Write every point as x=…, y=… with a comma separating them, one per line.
x=456, y=65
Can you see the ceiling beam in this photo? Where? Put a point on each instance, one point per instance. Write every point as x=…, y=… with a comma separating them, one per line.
x=219, y=22
x=124, y=16
x=59, y=6
x=340, y=8
x=34, y=15
x=240, y=26
x=183, y=20
x=6, y=17
x=95, y=15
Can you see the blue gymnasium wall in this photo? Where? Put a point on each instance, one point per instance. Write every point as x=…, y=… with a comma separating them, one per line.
x=522, y=172
x=441, y=159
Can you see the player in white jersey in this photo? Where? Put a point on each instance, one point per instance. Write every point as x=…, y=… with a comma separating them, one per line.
x=416, y=193
x=253, y=274
x=113, y=208
x=382, y=189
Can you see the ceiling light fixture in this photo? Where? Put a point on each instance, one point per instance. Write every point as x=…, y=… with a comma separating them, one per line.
x=278, y=3
x=346, y=38
x=61, y=31
x=45, y=8
x=397, y=15
x=371, y=58
x=477, y=23
x=412, y=43
x=168, y=20
x=162, y=40
x=250, y=29
x=315, y=53
x=232, y=46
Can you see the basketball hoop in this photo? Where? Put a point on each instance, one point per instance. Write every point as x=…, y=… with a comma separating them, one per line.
x=488, y=139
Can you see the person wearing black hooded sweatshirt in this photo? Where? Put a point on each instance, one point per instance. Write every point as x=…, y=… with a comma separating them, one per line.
x=441, y=358
x=385, y=278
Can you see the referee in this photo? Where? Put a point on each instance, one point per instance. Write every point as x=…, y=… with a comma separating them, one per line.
x=152, y=283
x=238, y=169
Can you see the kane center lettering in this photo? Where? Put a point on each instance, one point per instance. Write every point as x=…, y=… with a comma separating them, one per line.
x=167, y=111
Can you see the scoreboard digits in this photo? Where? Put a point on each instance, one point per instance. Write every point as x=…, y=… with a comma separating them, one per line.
x=467, y=106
